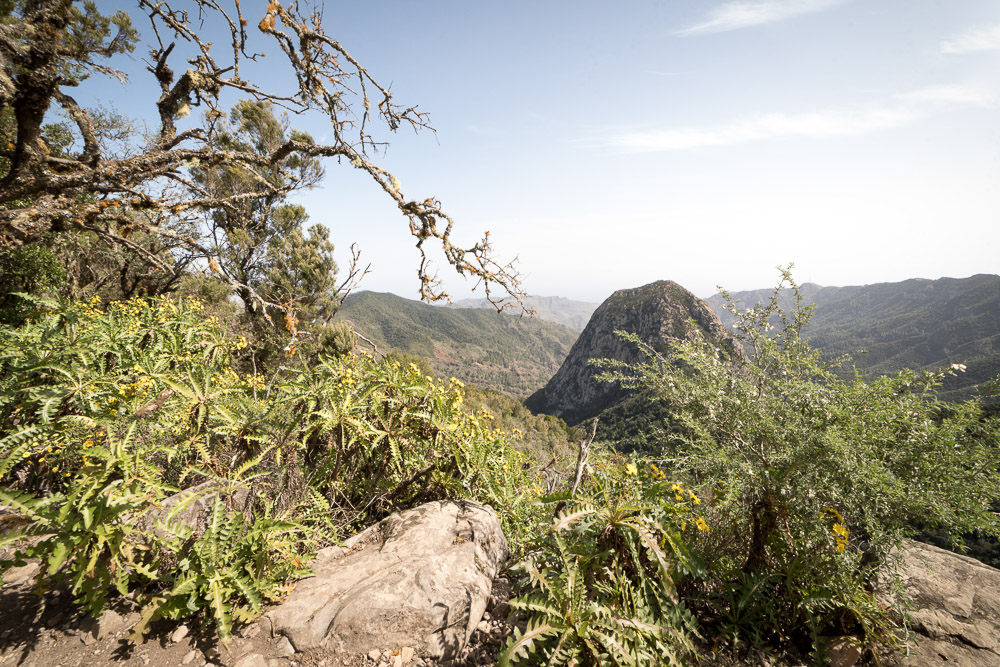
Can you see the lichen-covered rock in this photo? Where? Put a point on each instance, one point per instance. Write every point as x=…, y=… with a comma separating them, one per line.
x=420, y=578
x=192, y=507
x=956, y=611
x=658, y=313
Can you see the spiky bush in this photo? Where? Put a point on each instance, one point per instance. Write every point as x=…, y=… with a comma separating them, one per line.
x=108, y=410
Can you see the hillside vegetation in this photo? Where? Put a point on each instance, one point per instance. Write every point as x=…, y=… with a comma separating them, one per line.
x=916, y=324
x=510, y=354
x=108, y=410
x=759, y=520
x=567, y=312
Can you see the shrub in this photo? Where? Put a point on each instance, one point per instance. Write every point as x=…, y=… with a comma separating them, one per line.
x=601, y=584
x=108, y=410
x=814, y=480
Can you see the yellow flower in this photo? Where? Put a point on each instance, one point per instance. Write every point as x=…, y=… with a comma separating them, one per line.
x=829, y=511
x=694, y=498
x=841, y=530
x=700, y=523
x=630, y=469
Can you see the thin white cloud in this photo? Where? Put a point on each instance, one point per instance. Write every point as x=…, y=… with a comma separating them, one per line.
x=749, y=13
x=953, y=94
x=770, y=126
x=985, y=38
x=907, y=108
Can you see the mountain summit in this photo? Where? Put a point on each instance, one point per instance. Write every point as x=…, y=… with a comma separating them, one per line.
x=657, y=313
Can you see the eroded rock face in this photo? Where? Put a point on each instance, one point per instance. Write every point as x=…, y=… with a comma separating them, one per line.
x=421, y=578
x=956, y=608
x=658, y=313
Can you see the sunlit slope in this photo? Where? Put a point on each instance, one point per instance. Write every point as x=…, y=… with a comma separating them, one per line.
x=510, y=354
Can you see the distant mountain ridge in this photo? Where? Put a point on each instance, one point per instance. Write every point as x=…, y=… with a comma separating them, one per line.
x=567, y=312
x=511, y=354
x=657, y=313
x=919, y=324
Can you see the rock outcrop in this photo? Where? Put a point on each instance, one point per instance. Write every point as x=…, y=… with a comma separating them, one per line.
x=420, y=579
x=657, y=313
x=956, y=609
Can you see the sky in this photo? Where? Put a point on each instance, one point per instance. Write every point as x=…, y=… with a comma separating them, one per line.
x=609, y=145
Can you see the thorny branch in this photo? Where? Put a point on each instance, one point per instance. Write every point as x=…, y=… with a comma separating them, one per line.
x=112, y=196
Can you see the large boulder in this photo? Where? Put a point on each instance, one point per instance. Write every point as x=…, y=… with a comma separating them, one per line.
x=420, y=578
x=956, y=609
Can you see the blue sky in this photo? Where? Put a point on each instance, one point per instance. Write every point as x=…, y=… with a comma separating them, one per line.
x=612, y=144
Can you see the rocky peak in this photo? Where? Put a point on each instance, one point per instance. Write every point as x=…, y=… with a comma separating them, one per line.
x=657, y=313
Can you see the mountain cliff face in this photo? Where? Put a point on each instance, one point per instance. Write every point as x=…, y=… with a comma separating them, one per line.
x=657, y=313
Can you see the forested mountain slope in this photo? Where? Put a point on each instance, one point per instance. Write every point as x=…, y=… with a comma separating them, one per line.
x=918, y=324
x=510, y=354
x=567, y=312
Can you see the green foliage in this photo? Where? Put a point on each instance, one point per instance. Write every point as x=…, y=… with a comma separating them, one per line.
x=335, y=340
x=601, y=585
x=814, y=479
x=108, y=412
x=84, y=36
x=383, y=436
x=31, y=269
x=547, y=439
x=261, y=241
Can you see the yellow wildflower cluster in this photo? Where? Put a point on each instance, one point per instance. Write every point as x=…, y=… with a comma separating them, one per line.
x=348, y=379
x=689, y=498
x=253, y=381
x=91, y=308
x=839, y=528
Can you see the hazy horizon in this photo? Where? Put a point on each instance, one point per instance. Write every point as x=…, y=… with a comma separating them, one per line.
x=705, y=143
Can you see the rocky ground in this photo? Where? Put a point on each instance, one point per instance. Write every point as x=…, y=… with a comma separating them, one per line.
x=58, y=634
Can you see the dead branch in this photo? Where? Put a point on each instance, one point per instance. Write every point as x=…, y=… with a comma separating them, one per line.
x=102, y=193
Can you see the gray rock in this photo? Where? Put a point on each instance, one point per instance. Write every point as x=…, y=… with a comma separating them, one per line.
x=251, y=660
x=192, y=507
x=249, y=631
x=658, y=313
x=16, y=576
x=956, y=608
x=420, y=578
x=108, y=623
x=285, y=647
x=844, y=653
x=180, y=633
